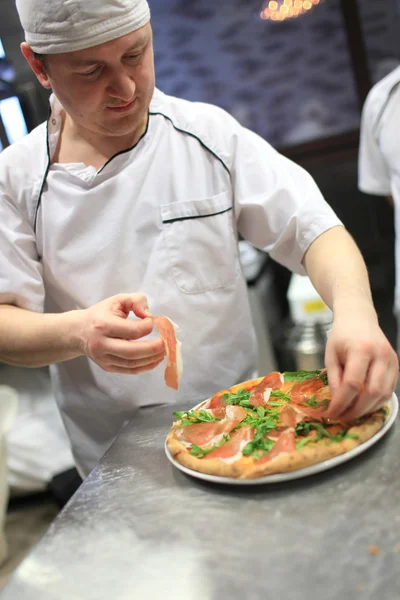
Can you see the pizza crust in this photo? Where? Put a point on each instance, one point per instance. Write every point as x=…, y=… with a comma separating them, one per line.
x=247, y=468
x=211, y=466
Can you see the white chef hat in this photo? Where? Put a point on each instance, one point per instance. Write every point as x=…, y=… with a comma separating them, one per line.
x=54, y=26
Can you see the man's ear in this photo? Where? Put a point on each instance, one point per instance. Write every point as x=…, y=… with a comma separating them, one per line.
x=36, y=65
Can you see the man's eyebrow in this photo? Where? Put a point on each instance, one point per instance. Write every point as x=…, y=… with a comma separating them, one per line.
x=95, y=61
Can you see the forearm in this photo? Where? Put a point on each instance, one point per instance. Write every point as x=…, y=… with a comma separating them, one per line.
x=29, y=339
x=338, y=272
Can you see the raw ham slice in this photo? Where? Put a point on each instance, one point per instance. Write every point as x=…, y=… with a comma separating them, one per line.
x=306, y=413
x=291, y=417
x=304, y=390
x=275, y=433
x=235, y=412
x=260, y=398
x=260, y=395
x=334, y=429
x=231, y=451
x=303, y=411
x=286, y=443
x=216, y=406
x=173, y=370
x=323, y=393
x=274, y=380
x=208, y=434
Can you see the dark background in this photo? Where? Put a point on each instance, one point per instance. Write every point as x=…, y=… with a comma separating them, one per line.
x=299, y=84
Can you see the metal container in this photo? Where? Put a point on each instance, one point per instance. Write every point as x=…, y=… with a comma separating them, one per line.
x=305, y=345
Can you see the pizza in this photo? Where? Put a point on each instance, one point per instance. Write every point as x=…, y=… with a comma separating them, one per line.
x=274, y=424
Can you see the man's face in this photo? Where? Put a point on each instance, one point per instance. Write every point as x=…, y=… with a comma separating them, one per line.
x=106, y=89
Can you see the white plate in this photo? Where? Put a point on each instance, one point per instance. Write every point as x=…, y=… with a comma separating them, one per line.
x=312, y=470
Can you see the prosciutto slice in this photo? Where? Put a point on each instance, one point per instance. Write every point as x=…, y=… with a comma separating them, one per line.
x=291, y=417
x=216, y=406
x=260, y=395
x=231, y=451
x=205, y=435
x=173, y=370
x=304, y=390
x=306, y=412
x=275, y=433
x=286, y=443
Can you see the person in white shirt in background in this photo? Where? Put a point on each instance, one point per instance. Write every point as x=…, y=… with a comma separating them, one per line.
x=132, y=201
x=379, y=157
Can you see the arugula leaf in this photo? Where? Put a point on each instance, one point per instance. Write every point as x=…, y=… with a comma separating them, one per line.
x=180, y=414
x=343, y=435
x=201, y=452
x=301, y=443
x=280, y=395
x=324, y=378
x=305, y=428
x=298, y=376
x=261, y=411
x=260, y=443
x=191, y=417
x=241, y=398
x=267, y=422
x=256, y=445
x=312, y=402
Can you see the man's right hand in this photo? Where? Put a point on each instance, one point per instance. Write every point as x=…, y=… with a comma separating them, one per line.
x=111, y=340
x=103, y=332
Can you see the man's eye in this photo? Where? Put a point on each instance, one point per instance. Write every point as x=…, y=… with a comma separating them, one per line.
x=133, y=56
x=90, y=74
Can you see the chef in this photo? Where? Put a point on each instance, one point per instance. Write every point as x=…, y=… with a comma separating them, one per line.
x=379, y=158
x=128, y=202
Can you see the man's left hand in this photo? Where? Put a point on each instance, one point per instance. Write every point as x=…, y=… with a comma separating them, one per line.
x=363, y=368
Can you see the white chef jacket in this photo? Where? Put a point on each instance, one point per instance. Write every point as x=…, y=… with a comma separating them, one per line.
x=379, y=159
x=161, y=218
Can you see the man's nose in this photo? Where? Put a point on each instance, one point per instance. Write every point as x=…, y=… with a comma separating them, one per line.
x=122, y=86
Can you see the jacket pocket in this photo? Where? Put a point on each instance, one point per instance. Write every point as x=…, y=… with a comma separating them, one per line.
x=201, y=242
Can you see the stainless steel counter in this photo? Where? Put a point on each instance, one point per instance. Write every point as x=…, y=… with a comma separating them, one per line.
x=138, y=528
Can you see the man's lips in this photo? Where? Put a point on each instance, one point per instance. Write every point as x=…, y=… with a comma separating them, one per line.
x=122, y=107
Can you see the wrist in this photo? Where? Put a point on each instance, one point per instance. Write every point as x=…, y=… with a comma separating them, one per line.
x=357, y=306
x=73, y=331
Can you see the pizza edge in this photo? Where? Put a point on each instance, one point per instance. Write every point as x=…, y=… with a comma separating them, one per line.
x=284, y=463
x=209, y=466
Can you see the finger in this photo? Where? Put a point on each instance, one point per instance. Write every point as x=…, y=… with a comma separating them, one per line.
x=131, y=350
x=147, y=368
x=116, y=361
x=134, y=371
x=354, y=375
x=136, y=303
x=378, y=388
x=369, y=397
x=334, y=369
x=390, y=377
x=117, y=327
